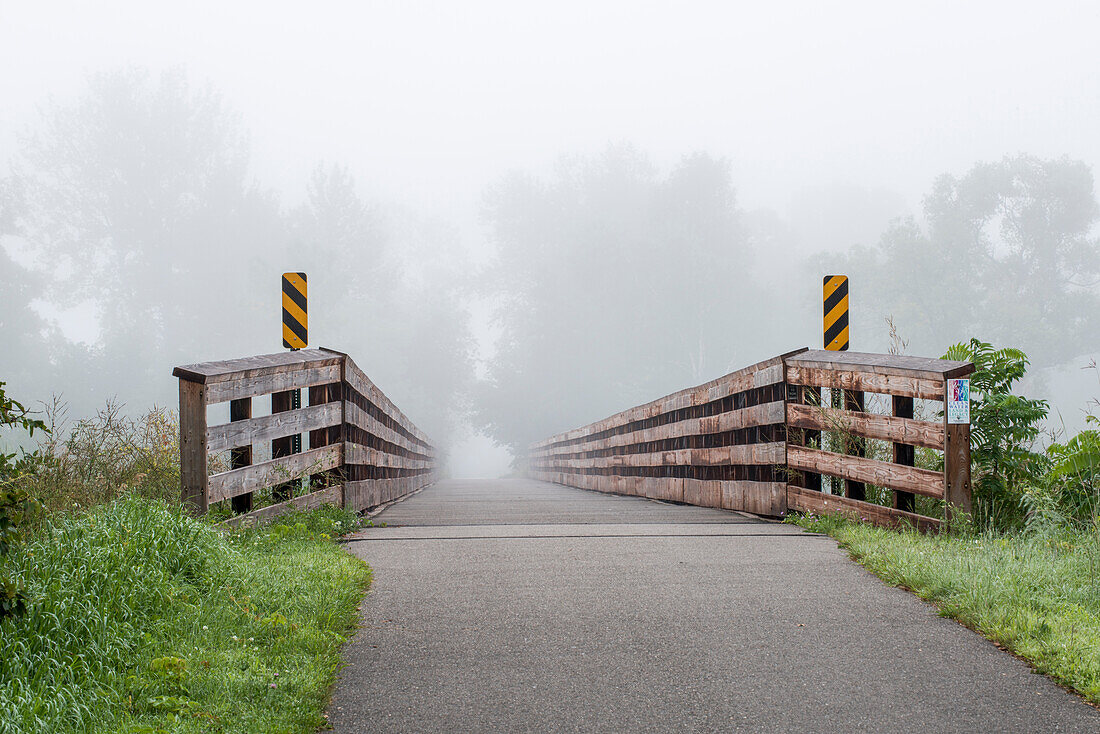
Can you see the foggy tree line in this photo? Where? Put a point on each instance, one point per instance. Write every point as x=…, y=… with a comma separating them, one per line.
x=615, y=279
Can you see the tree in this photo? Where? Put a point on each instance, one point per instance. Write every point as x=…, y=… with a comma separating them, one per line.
x=138, y=202
x=613, y=285
x=1006, y=250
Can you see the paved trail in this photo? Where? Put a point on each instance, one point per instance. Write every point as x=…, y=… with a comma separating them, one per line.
x=521, y=606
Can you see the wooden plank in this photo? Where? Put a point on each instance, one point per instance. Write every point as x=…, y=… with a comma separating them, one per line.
x=366, y=456
x=360, y=418
x=268, y=427
x=240, y=411
x=854, y=446
x=956, y=474
x=755, y=453
x=904, y=453
x=869, y=425
x=209, y=373
x=881, y=473
x=330, y=496
x=910, y=387
x=759, y=498
x=936, y=370
x=735, y=382
x=251, y=478
x=757, y=415
x=264, y=384
x=805, y=500
x=194, y=484
x=365, y=493
x=362, y=384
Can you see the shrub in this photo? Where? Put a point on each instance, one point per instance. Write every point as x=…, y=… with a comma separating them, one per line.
x=15, y=503
x=1003, y=430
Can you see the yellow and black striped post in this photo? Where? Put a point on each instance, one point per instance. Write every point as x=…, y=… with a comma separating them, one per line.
x=294, y=311
x=836, y=312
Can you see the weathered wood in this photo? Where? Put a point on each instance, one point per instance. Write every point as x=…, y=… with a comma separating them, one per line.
x=281, y=447
x=757, y=415
x=362, y=384
x=265, y=383
x=193, y=453
x=883, y=474
x=956, y=473
x=869, y=425
x=277, y=425
x=755, y=453
x=241, y=454
x=936, y=370
x=363, y=494
x=759, y=498
x=365, y=456
x=910, y=387
x=904, y=453
x=328, y=496
x=209, y=373
x=762, y=374
x=252, y=478
x=854, y=446
x=360, y=418
x=809, y=501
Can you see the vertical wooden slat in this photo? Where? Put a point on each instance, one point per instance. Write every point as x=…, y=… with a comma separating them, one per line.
x=240, y=410
x=956, y=469
x=193, y=460
x=280, y=447
x=318, y=395
x=904, y=454
x=854, y=446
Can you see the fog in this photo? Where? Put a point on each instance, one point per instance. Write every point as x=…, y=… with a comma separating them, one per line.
x=518, y=218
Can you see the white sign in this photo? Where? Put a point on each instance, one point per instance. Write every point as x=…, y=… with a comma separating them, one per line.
x=958, y=401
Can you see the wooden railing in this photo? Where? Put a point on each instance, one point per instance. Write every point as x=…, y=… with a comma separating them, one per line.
x=751, y=440
x=721, y=444
x=362, y=451
x=851, y=376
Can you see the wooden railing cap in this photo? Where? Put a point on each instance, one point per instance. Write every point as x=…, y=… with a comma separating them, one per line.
x=264, y=364
x=883, y=364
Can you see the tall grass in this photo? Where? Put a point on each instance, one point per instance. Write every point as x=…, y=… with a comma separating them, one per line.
x=141, y=619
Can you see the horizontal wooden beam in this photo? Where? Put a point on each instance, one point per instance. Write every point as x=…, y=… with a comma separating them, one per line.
x=884, y=364
x=742, y=454
x=363, y=385
x=868, y=425
x=252, y=478
x=266, y=383
x=909, y=387
x=366, y=493
x=208, y=373
x=360, y=418
x=806, y=500
x=859, y=469
x=762, y=374
x=757, y=415
x=268, y=427
x=354, y=454
x=329, y=496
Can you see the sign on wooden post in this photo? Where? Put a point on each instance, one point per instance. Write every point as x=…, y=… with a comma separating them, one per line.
x=835, y=312
x=294, y=311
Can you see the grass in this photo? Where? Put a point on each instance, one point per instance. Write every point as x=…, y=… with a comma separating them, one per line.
x=141, y=620
x=1036, y=594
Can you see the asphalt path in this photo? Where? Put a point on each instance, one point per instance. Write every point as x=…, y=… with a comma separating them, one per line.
x=523, y=606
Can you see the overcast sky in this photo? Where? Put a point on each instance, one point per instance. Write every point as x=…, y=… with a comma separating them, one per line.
x=427, y=102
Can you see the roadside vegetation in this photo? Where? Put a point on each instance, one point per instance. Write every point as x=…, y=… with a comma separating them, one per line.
x=124, y=614
x=1024, y=569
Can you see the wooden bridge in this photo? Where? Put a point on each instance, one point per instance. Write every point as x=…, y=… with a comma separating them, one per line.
x=760, y=440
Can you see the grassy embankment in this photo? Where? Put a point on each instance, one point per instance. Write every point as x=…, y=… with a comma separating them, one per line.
x=1035, y=594
x=141, y=619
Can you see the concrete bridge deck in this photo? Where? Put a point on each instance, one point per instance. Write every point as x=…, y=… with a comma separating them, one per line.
x=515, y=605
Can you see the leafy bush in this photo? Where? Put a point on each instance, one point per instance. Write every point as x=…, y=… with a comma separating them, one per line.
x=1003, y=431
x=15, y=502
x=107, y=456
